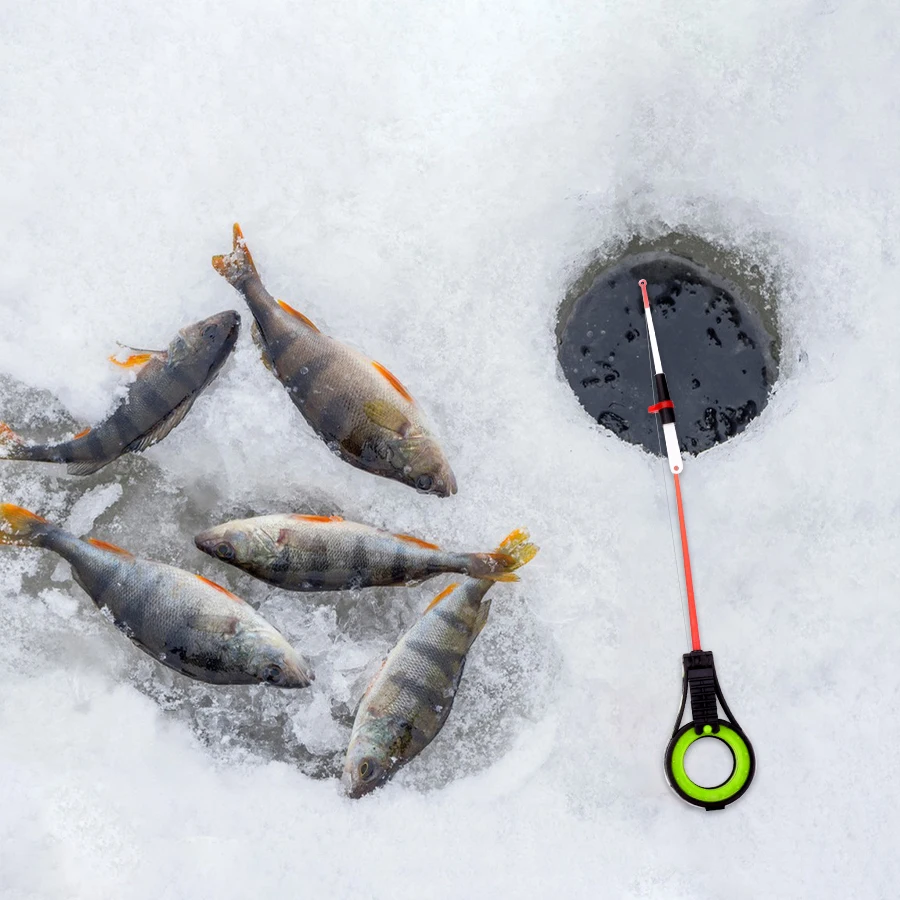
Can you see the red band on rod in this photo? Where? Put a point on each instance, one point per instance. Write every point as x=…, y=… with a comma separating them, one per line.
x=663, y=404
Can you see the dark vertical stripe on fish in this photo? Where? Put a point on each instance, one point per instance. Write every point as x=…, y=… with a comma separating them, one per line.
x=399, y=567
x=452, y=619
x=155, y=403
x=445, y=659
x=431, y=696
x=359, y=562
x=335, y=420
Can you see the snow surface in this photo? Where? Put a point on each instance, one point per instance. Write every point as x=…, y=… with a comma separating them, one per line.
x=424, y=181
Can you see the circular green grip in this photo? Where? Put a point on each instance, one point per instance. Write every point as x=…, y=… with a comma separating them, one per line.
x=743, y=765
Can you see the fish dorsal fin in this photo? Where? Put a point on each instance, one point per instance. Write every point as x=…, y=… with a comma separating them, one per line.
x=132, y=362
x=136, y=358
x=105, y=545
x=382, y=413
x=393, y=381
x=446, y=592
x=219, y=587
x=300, y=518
x=410, y=539
x=155, y=434
x=297, y=315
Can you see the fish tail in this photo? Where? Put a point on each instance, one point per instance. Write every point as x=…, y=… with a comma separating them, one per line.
x=237, y=265
x=501, y=565
x=11, y=445
x=20, y=527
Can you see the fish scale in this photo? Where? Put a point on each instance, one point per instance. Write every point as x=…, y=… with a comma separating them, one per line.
x=358, y=408
x=319, y=553
x=411, y=696
x=167, y=384
x=184, y=621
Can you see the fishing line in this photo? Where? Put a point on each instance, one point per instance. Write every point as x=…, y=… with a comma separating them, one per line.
x=700, y=680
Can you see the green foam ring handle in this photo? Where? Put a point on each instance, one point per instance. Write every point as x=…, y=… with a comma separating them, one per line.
x=742, y=771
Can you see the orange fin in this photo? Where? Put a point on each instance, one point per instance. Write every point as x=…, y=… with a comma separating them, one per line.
x=17, y=525
x=516, y=545
x=104, y=545
x=444, y=593
x=297, y=315
x=494, y=566
x=8, y=436
x=237, y=264
x=219, y=587
x=81, y=434
x=137, y=359
x=317, y=518
x=393, y=381
x=417, y=541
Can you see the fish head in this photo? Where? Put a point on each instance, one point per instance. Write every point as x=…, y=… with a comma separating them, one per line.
x=274, y=661
x=233, y=542
x=206, y=344
x=420, y=463
x=368, y=764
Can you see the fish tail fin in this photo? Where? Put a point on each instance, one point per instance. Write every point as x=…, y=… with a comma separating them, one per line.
x=11, y=445
x=21, y=527
x=501, y=565
x=238, y=264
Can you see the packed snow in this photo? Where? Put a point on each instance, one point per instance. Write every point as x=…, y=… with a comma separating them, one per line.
x=424, y=182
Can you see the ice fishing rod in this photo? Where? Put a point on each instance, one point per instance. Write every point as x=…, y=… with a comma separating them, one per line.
x=699, y=679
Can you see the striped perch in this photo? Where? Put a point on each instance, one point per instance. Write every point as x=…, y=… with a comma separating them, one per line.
x=327, y=553
x=167, y=384
x=184, y=621
x=362, y=412
x=410, y=698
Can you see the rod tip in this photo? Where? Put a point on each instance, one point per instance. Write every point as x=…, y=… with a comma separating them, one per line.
x=643, y=286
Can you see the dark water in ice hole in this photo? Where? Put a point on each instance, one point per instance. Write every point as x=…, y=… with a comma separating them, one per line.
x=715, y=351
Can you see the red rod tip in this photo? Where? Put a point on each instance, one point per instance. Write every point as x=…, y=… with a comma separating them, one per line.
x=643, y=284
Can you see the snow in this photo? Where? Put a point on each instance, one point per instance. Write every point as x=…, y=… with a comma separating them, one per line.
x=424, y=183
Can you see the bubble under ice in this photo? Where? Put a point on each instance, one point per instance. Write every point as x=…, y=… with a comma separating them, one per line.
x=425, y=183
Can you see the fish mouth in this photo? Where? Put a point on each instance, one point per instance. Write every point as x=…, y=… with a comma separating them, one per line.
x=230, y=319
x=449, y=484
x=444, y=486
x=358, y=790
x=205, y=541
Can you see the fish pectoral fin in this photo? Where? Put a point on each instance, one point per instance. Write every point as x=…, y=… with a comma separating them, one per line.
x=260, y=342
x=212, y=624
x=155, y=434
x=88, y=467
x=382, y=413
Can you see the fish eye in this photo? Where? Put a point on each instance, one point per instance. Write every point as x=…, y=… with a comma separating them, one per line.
x=225, y=550
x=367, y=770
x=424, y=483
x=271, y=674
x=210, y=332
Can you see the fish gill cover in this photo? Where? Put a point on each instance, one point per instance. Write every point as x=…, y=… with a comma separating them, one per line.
x=426, y=183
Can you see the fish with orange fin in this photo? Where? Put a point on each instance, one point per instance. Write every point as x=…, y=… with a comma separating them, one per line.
x=165, y=387
x=410, y=698
x=361, y=411
x=327, y=553
x=184, y=621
